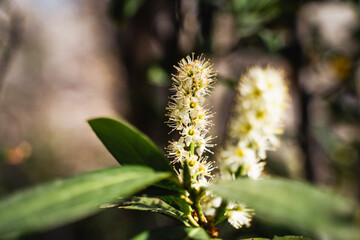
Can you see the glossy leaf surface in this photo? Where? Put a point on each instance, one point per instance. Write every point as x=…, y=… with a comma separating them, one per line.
x=128, y=145
x=65, y=200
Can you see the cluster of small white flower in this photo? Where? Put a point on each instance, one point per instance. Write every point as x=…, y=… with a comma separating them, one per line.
x=262, y=98
x=238, y=215
x=259, y=111
x=188, y=115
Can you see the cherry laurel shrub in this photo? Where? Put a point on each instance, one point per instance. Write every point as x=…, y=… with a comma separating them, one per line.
x=199, y=188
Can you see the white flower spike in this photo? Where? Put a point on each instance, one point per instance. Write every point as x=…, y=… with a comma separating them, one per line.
x=189, y=116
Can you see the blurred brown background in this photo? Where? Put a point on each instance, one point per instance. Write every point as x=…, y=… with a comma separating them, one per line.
x=63, y=62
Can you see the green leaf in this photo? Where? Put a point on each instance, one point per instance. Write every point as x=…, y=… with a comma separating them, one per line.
x=252, y=15
x=128, y=145
x=297, y=205
x=256, y=239
x=66, y=200
x=274, y=41
x=153, y=205
x=177, y=201
x=291, y=238
x=173, y=233
x=171, y=186
x=281, y=238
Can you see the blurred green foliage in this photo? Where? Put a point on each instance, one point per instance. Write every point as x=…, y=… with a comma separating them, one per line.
x=67, y=200
x=252, y=15
x=305, y=209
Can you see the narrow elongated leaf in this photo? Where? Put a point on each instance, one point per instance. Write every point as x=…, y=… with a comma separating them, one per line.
x=154, y=205
x=128, y=145
x=177, y=201
x=65, y=200
x=297, y=205
x=174, y=233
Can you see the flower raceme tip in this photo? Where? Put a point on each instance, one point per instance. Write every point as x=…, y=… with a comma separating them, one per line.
x=190, y=117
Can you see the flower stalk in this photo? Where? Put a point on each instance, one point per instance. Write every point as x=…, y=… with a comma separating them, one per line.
x=191, y=119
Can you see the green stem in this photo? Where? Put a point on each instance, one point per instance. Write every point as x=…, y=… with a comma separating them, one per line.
x=194, y=194
x=187, y=176
x=198, y=209
x=220, y=212
x=192, y=148
x=192, y=221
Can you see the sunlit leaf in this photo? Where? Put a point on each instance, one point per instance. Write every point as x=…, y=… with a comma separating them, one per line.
x=65, y=200
x=296, y=205
x=128, y=145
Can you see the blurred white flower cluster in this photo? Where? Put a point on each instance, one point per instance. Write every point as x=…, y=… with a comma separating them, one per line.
x=258, y=119
x=188, y=115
